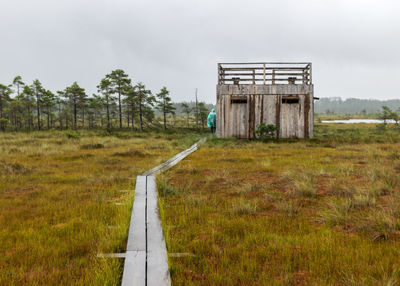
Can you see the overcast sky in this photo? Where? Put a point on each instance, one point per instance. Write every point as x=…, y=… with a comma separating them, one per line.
x=354, y=45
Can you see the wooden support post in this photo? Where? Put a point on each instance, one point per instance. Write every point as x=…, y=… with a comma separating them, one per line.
x=273, y=76
x=264, y=72
x=219, y=74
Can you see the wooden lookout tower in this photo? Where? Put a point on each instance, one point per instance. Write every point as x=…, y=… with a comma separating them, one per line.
x=249, y=94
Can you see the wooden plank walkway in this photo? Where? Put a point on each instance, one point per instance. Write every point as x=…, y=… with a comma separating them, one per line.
x=146, y=259
x=174, y=160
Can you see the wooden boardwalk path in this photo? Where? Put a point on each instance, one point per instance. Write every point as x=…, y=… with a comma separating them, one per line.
x=146, y=259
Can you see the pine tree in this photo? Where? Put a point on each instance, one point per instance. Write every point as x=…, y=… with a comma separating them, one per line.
x=75, y=94
x=18, y=83
x=28, y=101
x=120, y=83
x=145, y=102
x=94, y=105
x=37, y=92
x=48, y=102
x=187, y=110
x=131, y=101
x=203, y=113
x=165, y=104
x=5, y=92
x=105, y=89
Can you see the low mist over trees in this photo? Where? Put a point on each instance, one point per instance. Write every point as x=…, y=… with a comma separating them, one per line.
x=336, y=105
x=118, y=103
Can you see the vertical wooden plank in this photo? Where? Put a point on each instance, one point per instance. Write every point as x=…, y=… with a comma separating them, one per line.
x=257, y=113
x=278, y=116
x=134, y=269
x=266, y=112
x=283, y=121
x=137, y=234
x=252, y=116
x=307, y=116
x=135, y=260
x=296, y=117
x=264, y=73
x=157, y=258
x=226, y=112
x=311, y=123
x=235, y=120
x=218, y=129
x=300, y=130
x=261, y=108
x=231, y=116
x=239, y=121
x=223, y=104
x=245, y=114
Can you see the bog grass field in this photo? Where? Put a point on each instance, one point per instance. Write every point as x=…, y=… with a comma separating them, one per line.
x=63, y=201
x=323, y=211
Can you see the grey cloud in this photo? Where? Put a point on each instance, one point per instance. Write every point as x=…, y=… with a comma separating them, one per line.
x=353, y=44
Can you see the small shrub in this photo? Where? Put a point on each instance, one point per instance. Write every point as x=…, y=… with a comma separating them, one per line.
x=338, y=212
x=164, y=189
x=361, y=200
x=3, y=123
x=394, y=155
x=71, y=135
x=382, y=223
x=92, y=146
x=303, y=186
x=265, y=132
x=13, y=168
x=306, y=189
x=289, y=207
x=380, y=128
x=130, y=153
x=247, y=188
x=244, y=207
x=338, y=188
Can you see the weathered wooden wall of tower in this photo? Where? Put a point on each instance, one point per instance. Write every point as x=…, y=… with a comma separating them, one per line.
x=243, y=106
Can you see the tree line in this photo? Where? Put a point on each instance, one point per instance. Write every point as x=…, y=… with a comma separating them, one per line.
x=336, y=105
x=118, y=103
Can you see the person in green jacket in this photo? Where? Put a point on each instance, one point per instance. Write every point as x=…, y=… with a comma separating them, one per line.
x=212, y=120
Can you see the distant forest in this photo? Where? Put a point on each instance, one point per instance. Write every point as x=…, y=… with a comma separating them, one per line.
x=118, y=103
x=336, y=105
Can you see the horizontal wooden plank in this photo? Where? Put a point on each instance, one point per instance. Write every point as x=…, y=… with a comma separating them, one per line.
x=268, y=63
x=184, y=254
x=261, y=68
x=261, y=74
x=260, y=79
x=111, y=255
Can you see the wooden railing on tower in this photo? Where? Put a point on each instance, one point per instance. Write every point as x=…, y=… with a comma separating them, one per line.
x=265, y=73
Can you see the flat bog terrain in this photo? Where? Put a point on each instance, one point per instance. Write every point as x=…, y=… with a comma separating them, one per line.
x=66, y=197
x=323, y=211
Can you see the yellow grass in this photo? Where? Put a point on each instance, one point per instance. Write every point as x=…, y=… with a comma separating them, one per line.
x=324, y=211
x=58, y=195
